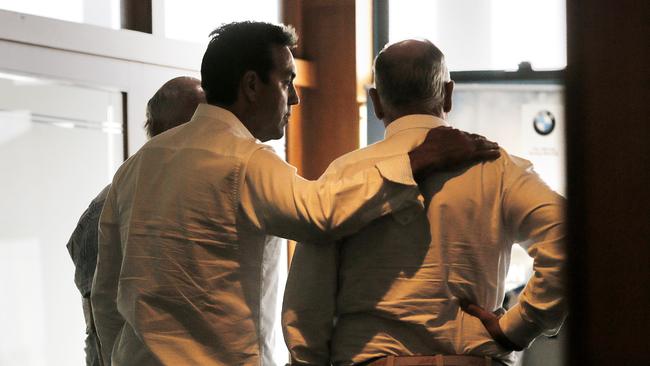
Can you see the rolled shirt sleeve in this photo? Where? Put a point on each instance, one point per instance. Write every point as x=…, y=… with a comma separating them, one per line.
x=281, y=203
x=536, y=214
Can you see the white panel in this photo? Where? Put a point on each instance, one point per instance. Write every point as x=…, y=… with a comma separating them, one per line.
x=119, y=44
x=22, y=299
x=139, y=81
x=546, y=152
x=56, y=154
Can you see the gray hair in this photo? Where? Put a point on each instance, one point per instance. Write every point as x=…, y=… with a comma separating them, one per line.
x=410, y=78
x=173, y=104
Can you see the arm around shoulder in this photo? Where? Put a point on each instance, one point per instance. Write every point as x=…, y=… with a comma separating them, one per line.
x=280, y=202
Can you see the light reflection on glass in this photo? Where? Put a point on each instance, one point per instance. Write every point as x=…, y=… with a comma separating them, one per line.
x=486, y=34
x=60, y=144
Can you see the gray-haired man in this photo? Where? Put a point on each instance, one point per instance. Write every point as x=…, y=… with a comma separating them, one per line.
x=392, y=293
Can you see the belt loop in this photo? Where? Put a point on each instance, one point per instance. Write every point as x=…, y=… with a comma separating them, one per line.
x=488, y=361
x=440, y=361
x=390, y=360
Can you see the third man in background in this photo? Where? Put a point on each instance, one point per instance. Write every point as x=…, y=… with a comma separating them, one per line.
x=173, y=104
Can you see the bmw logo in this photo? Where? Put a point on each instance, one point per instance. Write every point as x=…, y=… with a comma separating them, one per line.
x=544, y=123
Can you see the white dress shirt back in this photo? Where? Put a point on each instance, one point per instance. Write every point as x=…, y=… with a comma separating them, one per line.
x=187, y=269
x=393, y=287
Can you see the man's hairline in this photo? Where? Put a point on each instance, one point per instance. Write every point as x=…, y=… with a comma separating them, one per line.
x=271, y=46
x=445, y=79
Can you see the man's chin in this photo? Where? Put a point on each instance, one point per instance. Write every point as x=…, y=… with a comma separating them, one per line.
x=282, y=129
x=275, y=136
x=279, y=135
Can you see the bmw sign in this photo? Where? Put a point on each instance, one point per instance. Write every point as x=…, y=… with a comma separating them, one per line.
x=544, y=123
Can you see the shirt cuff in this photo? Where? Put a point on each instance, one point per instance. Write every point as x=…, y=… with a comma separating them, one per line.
x=397, y=170
x=517, y=329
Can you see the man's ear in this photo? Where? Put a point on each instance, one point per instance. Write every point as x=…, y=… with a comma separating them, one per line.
x=449, y=89
x=376, y=103
x=249, y=85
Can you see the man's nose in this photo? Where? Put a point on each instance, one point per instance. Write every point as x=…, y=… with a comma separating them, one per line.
x=293, y=96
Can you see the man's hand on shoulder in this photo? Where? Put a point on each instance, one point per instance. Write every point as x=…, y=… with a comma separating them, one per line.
x=490, y=321
x=447, y=148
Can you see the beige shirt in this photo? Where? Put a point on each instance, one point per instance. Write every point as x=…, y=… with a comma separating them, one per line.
x=393, y=287
x=186, y=272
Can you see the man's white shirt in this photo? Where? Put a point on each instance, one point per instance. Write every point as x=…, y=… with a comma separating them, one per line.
x=393, y=287
x=187, y=265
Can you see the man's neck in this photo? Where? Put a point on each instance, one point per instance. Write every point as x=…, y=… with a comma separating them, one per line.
x=390, y=118
x=242, y=113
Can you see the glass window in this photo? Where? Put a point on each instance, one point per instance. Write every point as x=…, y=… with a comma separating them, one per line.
x=60, y=144
x=193, y=20
x=518, y=108
x=486, y=34
x=105, y=13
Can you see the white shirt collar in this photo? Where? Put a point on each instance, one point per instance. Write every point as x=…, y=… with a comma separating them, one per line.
x=223, y=115
x=413, y=121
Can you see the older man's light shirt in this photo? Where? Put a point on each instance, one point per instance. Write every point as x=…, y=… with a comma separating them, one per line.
x=186, y=273
x=393, y=288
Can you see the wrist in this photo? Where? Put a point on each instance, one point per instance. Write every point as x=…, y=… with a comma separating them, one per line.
x=500, y=337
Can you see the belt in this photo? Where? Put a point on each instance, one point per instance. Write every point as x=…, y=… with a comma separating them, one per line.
x=437, y=360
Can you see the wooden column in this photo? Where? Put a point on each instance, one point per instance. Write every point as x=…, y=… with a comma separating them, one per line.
x=326, y=123
x=329, y=117
x=608, y=143
x=136, y=15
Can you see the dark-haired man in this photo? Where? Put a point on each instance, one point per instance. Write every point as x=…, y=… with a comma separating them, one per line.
x=187, y=267
x=395, y=292
x=173, y=104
